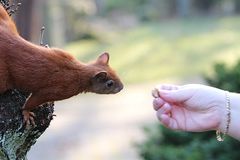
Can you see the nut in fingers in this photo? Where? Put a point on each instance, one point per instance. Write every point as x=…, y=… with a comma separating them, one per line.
x=155, y=93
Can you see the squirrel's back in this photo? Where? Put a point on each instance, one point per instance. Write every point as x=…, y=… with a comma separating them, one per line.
x=6, y=21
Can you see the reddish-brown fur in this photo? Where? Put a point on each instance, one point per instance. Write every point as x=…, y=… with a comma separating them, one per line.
x=49, y=74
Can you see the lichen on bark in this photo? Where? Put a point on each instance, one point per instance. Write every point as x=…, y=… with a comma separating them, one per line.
x=15, y=138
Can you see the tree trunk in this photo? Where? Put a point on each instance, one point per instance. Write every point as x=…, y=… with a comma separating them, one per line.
x=24, y=18
x=15, y=138
x=99, y=5
x=183, y=8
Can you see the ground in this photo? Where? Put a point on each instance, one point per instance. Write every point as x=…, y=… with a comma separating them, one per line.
x=99, y=127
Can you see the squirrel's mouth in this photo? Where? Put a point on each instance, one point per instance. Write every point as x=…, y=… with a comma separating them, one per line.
x=112, y=91
x=118, y=89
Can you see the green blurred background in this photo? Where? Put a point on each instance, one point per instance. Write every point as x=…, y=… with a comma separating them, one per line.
x=150, y=42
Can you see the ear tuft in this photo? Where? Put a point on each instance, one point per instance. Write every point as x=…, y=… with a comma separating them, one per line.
x=103, y=58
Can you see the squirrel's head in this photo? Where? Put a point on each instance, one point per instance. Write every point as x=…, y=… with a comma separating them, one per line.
x=104, y=80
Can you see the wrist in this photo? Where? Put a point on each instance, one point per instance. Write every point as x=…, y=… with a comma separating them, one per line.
x=221, y=133
x=224, y=111
x=219, y=110
x=235, y=115
x=233, y=130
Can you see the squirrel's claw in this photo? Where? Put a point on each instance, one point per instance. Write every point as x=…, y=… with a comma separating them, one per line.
x=28, y=118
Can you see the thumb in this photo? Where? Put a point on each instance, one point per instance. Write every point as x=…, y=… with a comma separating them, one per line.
x=174, y=96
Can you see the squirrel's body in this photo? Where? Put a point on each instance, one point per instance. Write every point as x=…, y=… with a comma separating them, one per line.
x=30, y=68
x=48, y=74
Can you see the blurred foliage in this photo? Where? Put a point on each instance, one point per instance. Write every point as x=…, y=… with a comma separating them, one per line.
x=227, y=78
x=156, y=9
x=144, y=10
x=83, y=17
x=78, y=15
x=164, y=144
x=205, y=5
x=172, y=49
x=237, y=5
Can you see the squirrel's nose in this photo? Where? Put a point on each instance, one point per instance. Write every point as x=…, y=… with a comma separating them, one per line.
x=109, y=83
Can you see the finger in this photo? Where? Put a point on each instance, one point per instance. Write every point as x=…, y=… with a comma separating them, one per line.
x=175, y=96
x=165, y=109
x=157, y=103
x=169, y=122
x=155, y=91
x=167, y=87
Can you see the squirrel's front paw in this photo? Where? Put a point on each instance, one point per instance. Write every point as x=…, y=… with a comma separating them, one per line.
x=28, y=118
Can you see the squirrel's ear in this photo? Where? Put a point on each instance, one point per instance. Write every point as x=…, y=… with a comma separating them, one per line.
x=100, y=76
x=103, y=58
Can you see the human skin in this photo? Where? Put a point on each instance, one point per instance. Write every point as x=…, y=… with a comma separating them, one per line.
x=196, y=108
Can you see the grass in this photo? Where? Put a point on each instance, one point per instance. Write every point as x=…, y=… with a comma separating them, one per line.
x=171, y=49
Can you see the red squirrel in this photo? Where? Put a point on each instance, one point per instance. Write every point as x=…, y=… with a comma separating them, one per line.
x=49, y=74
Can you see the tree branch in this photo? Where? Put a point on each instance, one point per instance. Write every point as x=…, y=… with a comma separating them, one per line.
x=15, y=139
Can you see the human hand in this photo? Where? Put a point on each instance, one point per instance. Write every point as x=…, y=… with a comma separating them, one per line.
x=190, y=107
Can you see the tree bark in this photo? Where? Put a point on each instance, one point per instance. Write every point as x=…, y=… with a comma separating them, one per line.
x=15, y=138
